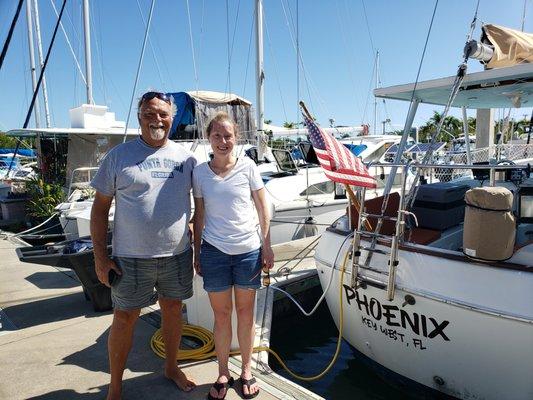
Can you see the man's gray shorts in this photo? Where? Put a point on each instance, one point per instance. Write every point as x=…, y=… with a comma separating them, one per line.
x=170, y=276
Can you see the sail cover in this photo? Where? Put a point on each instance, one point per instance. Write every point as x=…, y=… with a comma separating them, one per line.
x=511, y=47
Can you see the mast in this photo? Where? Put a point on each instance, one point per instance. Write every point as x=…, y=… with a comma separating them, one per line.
x=41, y=61
x=260, y=76
x=524, y=15
x=31, y=48
x=375, y=98
x=88, y=65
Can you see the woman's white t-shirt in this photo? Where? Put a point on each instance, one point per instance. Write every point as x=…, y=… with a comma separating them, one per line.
x=230, y=222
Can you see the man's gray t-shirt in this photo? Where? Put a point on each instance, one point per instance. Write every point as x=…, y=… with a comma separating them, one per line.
x=152, y=189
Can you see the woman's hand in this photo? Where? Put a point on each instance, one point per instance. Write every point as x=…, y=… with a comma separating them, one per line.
x=268, y=257
x=264, y=221
x=197, y=266
x=198, y=226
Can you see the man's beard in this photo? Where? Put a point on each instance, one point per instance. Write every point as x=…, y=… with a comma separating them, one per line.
x=157, y=133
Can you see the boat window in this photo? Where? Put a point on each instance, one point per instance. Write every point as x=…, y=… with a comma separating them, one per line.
x=308, y=153
x=376, y=155
x=284, y=160
x=319, y=188
x=252, y=153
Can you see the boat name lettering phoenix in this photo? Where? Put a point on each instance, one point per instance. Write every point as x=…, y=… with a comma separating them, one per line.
x=419, y=324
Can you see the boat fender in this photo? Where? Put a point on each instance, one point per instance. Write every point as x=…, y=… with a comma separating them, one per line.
x=310, y=228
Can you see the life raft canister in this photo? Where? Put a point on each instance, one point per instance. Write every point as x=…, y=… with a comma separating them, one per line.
x=489, y=225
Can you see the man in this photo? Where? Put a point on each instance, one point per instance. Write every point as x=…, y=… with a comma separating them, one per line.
x=150, y=180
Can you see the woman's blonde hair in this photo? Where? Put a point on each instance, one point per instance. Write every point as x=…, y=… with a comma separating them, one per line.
x=220, y=117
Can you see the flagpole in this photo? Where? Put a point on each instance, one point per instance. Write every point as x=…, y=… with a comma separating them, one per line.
x=349, y=190
x=358, y=206
x=306, y=111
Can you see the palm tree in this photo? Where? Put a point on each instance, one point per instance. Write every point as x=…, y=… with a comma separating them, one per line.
x=453, y=128
x=520, y=127
x=451, y=125
x=426, y=131
x=7, y=141
x=290, y=125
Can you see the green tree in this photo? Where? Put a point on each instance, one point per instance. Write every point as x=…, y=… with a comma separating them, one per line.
x=520, y=126
x=426, y=130
x=452, y=126
x=7, y=141
x=42, y=198
x=290, y=125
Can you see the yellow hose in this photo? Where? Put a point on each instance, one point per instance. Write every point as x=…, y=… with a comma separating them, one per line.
x=208, y=343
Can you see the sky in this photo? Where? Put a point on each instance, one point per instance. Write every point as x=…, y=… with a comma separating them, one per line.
x=210, y=45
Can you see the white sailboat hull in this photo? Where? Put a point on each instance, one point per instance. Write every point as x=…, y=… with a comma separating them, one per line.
x=466, y=334
x=300, y=221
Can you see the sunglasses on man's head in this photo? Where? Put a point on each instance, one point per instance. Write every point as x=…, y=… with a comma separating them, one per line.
x=152, y=95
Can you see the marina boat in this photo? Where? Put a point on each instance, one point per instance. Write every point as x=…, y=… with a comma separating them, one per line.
x=447, y=305
x=15, y=167
x=303, y=201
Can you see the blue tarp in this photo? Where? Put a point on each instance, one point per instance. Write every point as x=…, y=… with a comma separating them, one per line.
x=6, y=161
x=297, y=154
x=185, y=115
x=356, y=149
x=20, y=152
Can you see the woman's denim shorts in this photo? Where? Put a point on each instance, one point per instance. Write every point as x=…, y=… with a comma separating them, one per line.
x=221, y=271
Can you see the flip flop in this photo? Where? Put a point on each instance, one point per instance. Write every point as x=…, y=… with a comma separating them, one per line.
x=248, y=383
x=218, y=386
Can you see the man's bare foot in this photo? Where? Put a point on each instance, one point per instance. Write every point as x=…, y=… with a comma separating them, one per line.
x=179, y=378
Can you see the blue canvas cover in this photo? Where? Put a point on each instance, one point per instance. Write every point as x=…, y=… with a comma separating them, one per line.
x=20, y=152
x=185, y=114
x=356, y=149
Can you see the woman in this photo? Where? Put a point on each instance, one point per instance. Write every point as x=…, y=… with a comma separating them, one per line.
x=229, y=249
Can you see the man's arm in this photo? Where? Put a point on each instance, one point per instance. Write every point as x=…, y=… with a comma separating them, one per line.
x=99, y=225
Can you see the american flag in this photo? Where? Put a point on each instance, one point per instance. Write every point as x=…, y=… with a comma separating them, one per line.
x=339, y=163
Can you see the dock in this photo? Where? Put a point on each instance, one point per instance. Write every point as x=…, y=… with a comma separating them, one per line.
x=54, y=346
